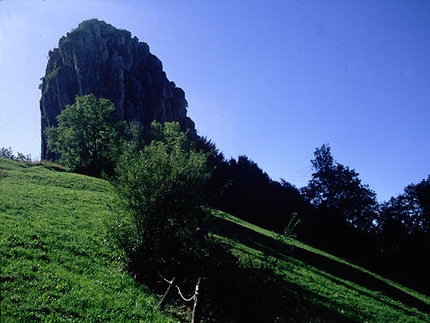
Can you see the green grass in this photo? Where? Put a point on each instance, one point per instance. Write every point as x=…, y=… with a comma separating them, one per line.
x=322, y=279
x=57, y=263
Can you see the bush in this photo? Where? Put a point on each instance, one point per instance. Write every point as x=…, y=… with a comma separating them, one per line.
x=162, y=188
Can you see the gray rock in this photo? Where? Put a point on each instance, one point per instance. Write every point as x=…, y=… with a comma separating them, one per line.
x=101, y=59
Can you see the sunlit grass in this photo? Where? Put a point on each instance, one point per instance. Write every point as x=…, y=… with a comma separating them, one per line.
x=57, y=263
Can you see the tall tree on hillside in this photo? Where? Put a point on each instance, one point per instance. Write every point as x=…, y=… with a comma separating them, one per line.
x=336, y=189
x=404, y=234
x=410, y=209
x=407, y=214
x=88, y=135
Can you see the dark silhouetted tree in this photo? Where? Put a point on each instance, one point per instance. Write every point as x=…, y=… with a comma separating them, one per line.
x=404, y=234
x=249, y=193
x=336, y=190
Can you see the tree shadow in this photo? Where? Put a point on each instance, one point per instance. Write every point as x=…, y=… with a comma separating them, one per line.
x=256, y=294
x=340, y=270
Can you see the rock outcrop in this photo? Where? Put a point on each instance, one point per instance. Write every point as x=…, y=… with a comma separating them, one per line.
x=108, y=62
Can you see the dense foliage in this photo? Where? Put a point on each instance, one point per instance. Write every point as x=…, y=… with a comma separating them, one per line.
x=88, y=136
x=161, y=187
x=337, y=190
x=392, y=237
x=249, y=193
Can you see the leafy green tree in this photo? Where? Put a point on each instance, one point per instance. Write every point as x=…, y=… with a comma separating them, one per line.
x=88, y=136
x=337, y=190
x=162, y=187
x=8, y=153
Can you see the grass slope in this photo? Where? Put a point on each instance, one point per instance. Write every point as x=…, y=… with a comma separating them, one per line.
x=57, y=264
x=323, y=280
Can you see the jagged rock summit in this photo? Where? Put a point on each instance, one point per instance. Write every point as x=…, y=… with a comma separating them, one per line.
x=108, y=62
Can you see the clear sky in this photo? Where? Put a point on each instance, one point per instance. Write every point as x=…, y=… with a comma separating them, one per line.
x=272, y=80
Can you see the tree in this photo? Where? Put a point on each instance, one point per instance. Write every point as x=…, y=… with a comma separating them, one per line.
x=407, y=213
x=162, y=187
x=8, y=153
x=246, y=191
x=404, y=234
x=88, y=136
x=337, y=190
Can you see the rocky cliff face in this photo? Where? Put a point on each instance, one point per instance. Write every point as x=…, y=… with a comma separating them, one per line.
x=100, y=59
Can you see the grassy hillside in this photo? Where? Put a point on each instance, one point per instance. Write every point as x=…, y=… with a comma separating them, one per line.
x=329, y=287
x=59, y=265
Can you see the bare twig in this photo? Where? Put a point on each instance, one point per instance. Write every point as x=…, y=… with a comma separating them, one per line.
x=167, y=291
x=195, y=318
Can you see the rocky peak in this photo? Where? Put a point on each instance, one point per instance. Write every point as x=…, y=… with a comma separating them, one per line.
x=108, y=62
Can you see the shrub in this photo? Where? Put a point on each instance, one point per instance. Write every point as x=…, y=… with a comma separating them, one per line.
x=162, y=188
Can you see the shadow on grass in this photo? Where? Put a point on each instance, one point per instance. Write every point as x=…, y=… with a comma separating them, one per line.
x=48, y=165
x=273, y=247
x=232, y=293
x=229, y=292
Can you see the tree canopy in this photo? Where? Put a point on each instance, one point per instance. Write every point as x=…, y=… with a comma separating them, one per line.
x=88, y=136
x=338, y=190
x=162, y=188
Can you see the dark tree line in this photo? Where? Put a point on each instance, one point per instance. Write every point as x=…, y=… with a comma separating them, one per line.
x=249, y=193
x=404, y=235
x=8, y=153
x=392, y=237
x=338, y=213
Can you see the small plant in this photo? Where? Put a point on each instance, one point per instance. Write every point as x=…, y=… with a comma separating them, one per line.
x=290, y=231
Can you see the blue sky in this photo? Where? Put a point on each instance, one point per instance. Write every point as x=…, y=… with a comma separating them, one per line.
x=272, y=80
